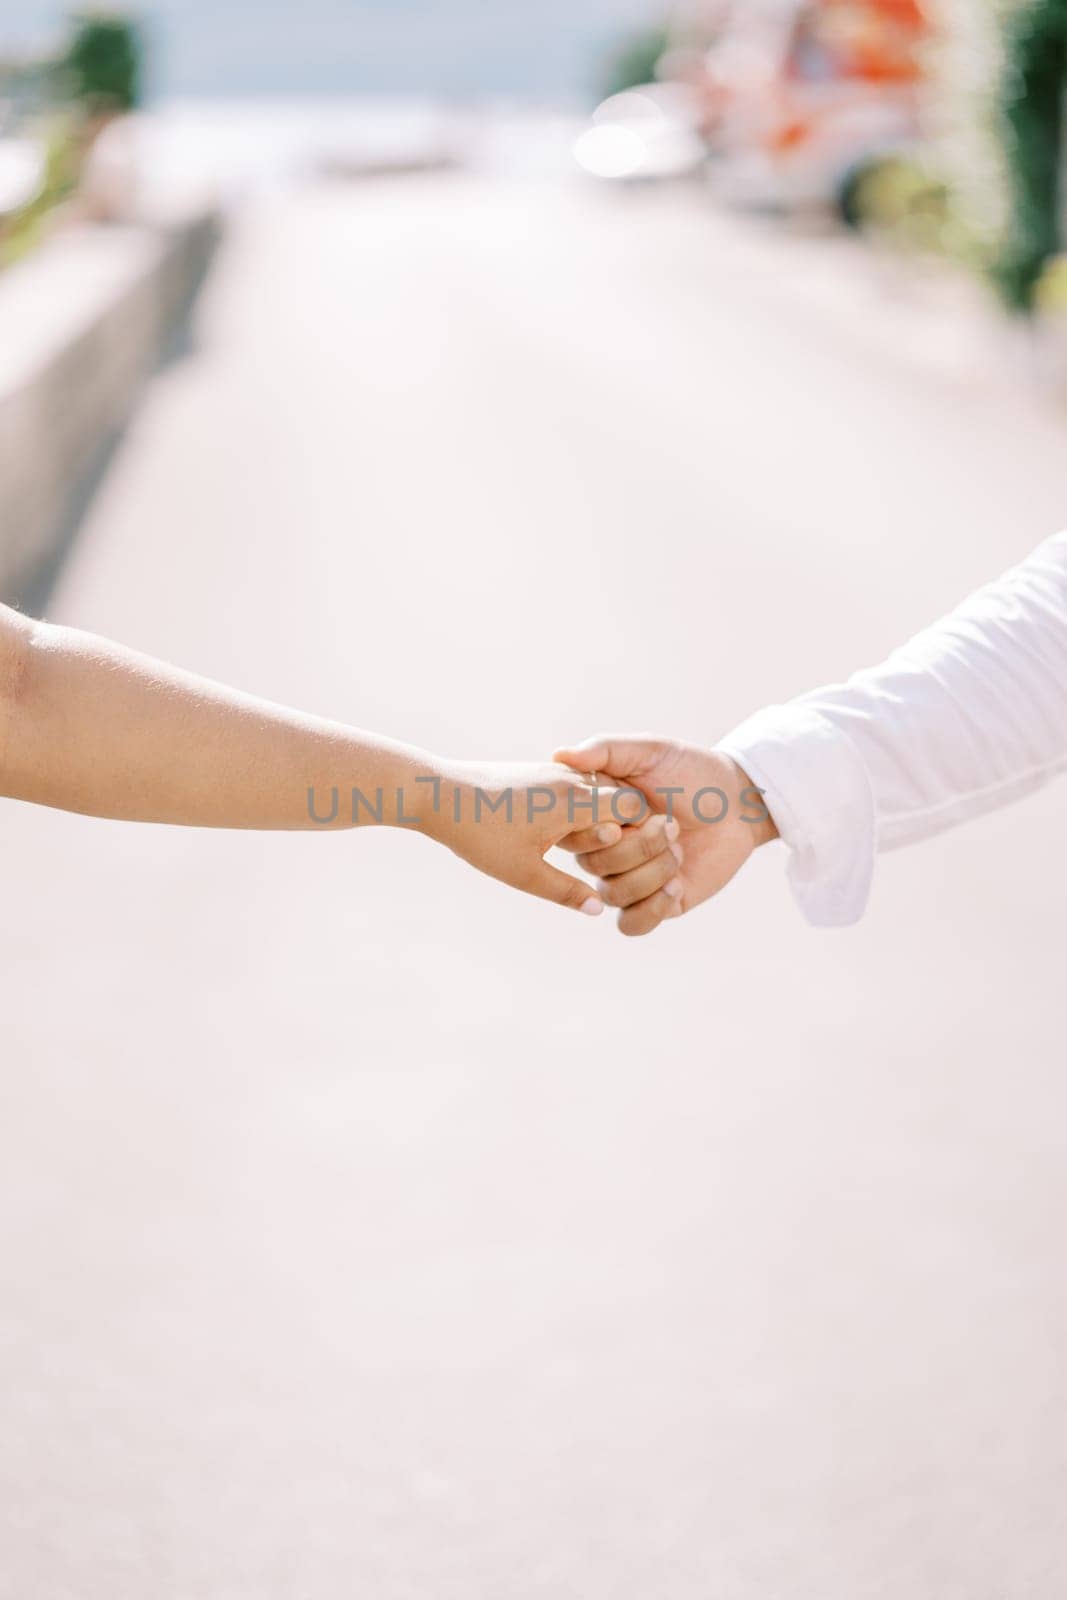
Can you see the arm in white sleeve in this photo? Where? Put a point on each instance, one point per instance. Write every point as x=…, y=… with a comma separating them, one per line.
x=969, y=715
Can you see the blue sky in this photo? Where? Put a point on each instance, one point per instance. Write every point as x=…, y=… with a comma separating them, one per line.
x=544, y=47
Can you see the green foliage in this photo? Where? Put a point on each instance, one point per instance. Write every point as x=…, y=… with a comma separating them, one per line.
x=59, y=100
x=1032, y=115
x=103, y=61
x=898, y=197
x=62, y=159
x=635, y=63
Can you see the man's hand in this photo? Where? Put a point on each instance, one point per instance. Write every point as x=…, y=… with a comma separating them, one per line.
x=502, y=817
x=703, y=810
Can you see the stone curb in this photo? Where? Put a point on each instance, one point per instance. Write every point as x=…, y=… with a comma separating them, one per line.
x=83, y=324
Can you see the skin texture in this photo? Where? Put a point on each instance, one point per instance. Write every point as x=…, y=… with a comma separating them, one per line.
x=88, y=726
x=703, y=855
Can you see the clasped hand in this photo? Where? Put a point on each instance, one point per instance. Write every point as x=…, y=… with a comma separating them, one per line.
x=659, y=826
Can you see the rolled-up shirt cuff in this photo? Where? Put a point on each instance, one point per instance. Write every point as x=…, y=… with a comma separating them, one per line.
x=816, y=788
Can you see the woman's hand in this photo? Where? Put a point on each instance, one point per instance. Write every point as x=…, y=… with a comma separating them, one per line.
x=502, y=817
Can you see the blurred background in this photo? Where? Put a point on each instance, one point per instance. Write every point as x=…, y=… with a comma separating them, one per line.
x=491, y=375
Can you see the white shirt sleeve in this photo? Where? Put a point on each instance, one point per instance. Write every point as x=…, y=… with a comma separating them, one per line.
x=969, y=715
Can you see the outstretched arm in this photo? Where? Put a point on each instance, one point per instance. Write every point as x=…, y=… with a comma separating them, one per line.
x=88, y=726
x=969, y=715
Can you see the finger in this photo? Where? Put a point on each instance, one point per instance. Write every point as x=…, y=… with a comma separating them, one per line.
x=590, y=811
x=629, y=888
x=605, y=803
x=548, y=883
x=645, y=917
x=633, y=847
x=588, y=839
x=619, y=755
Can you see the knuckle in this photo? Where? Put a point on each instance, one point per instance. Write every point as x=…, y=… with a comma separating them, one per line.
x=639, y=885
x=651, y=841
x=665, y=868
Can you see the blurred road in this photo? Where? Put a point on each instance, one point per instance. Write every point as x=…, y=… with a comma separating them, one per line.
x=370, y=1232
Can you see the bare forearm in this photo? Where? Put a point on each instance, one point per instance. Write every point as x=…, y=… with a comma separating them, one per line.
x=90, y=726
x=86, y=725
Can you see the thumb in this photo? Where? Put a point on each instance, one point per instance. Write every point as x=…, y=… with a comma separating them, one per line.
x=548, y=883
x=618, y=755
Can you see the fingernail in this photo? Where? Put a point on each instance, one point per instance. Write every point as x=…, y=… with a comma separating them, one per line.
x=675, y=889
x=678, y=853
x=593, y=907
x=673, y=828
x=609, y=833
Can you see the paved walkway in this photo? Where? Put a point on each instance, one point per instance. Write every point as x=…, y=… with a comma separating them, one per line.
x=369, y=1232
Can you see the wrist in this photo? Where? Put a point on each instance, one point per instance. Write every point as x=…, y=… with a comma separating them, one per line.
x=754, y=813
x=764, y=828
x=765, y=831
x=428, y=789
x=377, y=783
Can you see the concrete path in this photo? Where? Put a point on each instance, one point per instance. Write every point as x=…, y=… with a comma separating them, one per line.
x=368, y=1231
